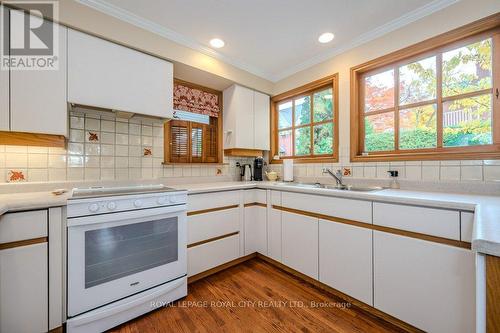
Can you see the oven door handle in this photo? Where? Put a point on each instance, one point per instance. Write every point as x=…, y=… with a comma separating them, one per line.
x=113, y=309
x=126, y=215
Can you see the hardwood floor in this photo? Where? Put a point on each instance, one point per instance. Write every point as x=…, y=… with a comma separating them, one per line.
x=257, y=297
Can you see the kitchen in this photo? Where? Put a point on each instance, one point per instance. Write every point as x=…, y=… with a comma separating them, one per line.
x=161, y=175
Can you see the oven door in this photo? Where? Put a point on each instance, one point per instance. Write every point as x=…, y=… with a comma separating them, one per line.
x=112, y=256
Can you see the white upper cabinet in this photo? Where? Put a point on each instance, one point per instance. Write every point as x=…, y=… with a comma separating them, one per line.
x=246, y=119
x=4, y=100
x=108, y=75
x=38, y=97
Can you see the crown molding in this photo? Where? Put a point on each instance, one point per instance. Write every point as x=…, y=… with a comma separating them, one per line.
x=386, y=28
x=124, y=15
x=138, y=21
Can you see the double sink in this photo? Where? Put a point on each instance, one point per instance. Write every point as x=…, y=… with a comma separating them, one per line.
x=332, y=187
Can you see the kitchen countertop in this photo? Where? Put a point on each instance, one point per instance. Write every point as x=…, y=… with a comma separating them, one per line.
x=486, y=232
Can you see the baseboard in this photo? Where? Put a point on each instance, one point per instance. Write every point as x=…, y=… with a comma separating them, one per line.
x=222, y=267
x=357, y=303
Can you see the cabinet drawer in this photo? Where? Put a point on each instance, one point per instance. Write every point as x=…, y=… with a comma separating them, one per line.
x=251, y=196
x=466, y=226
x=23, y=225
x=429, y=221
x=276, y=198
x=213, y=200
x=209, y=225
x=356, y=210
x=209, y=255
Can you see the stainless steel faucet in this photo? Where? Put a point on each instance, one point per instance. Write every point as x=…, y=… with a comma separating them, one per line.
x=337, y=176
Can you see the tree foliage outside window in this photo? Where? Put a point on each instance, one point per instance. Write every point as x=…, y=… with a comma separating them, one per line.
x=407, y=98
x=311, y=133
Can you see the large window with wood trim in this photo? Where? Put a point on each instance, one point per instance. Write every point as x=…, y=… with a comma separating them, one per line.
x=194, y=135
x=305, y=122
x=441, y=103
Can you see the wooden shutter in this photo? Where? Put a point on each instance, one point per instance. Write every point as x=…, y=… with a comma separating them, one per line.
x=210, y=143
x=196, y=143
x=179, y=141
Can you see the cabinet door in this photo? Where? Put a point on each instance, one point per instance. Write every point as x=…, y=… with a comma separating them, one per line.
x=261, y=121
x=38, y=102
x=300, y=243
x=24, y=289
x=255, y=230
x=426, y=284
x=345, y=259
x=108, y=75
x=238, y=117
x=274, y=234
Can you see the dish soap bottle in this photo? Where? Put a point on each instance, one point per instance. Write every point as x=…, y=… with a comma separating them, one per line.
x=394, y=176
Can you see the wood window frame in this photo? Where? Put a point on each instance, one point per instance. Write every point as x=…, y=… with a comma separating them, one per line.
x=167, y=125
x=489, y=26
x=310, y=88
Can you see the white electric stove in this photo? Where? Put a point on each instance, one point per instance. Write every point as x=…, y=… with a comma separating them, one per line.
x=126, y=252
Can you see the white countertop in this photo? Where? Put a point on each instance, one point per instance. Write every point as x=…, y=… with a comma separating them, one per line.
x=485, y=238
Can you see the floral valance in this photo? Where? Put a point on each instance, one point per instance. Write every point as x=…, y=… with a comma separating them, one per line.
x=196, y=100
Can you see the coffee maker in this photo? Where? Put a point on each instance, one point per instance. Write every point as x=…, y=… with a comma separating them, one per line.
x=258, y=168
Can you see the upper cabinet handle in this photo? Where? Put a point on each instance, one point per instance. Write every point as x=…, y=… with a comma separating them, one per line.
x=496, y=94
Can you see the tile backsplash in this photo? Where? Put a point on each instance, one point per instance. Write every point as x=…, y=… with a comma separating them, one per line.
x=102, y=146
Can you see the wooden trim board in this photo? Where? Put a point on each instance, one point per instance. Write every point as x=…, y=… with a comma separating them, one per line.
x=26, y=242
x=411, y=234
x=209, y=210
x=251, y=204
x=243, y=152
x=212, y=239
x=492, y=294
x=32, y=139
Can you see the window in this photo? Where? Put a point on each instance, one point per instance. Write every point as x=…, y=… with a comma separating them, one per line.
x=304, y=122
x=442, y=103
x=194, y=135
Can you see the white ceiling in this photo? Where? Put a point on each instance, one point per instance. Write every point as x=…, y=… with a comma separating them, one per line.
x=270, y=38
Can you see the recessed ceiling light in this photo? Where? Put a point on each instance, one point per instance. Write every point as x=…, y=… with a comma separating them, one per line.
x=326, y=37
x=217, y=43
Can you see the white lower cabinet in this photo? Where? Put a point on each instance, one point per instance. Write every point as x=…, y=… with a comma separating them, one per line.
x=255, y=230
x=345, y=259
x=428, y=285
x=212, y=254
x=274, y=234
x=300, y=243
x=24, y=299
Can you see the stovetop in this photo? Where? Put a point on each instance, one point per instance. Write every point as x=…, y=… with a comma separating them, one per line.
x=94, y=192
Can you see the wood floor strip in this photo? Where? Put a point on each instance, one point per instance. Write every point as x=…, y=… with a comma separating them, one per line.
x=411, y=234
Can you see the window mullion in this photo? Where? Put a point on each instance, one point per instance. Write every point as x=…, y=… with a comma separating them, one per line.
x=311, y=104
x=396, y=108
x=293, y=127
x=439, y=99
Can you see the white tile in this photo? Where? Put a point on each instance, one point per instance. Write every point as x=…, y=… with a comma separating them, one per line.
x=121, y=139
x=121, y=127
x=134, y=140
x=186, y=171
x=2, y=161
x=38, y=175
x=57, y=161
x=134, y=173
x=448, y=163
x=16, y=175
x=147, y=140
x=195, y=171
x=177, y=172
x=382, y=171
x=450, y=173
x=430, y=172
x=134, y=162
x=471, y=162
x=57, y=150
x=492, y=172
x=121, y=150
x=471, y=172
x=108, y=138
x=75, y=148
x=147, y=130
x=158, y=132
x=107, y=174
x=358, y=171
x=38, y=150
x=121, y=162
x=135, y=151
x=75, y=161
x=413, y=163
x=92, y=161
x=158, y=162
x=76, y=122
x=491, y=162
x=92, y=124
x=92, y=173
x=146, y=162
x=168, y=171
x=157, y=173
x=430, y=163
x=121, y=120
x=157, y=142
x=413, y=172
x=76, y=135
x=108, y=126
x=37, y=161
x=134, y=129
x=15, y=160
x=107, y=150
x=370, y=171
x=74, y=173
x=57, y=174
x=108, y=161
x=16, y=149
x=121, y=173
x=92, y=149
x=92, y=136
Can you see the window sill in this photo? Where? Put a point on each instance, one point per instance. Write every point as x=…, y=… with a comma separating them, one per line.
x=308, y=160
x=428, y=156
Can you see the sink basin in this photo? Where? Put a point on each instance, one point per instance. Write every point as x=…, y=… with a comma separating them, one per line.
x=333, y=187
